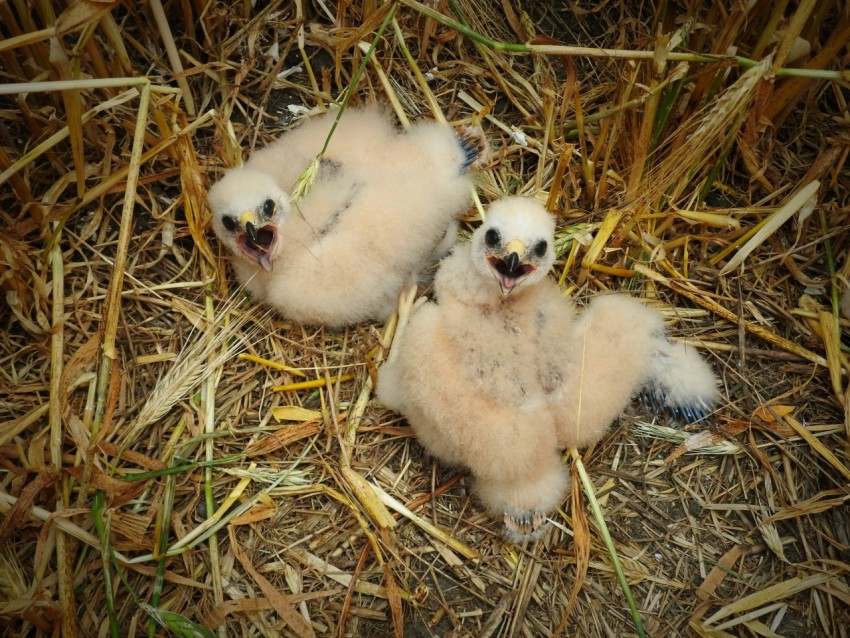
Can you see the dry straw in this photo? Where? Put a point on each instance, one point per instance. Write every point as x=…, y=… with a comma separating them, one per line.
x=198, y=466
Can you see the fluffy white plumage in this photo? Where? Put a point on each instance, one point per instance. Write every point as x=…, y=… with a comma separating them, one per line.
x=500, y=375
x=382, y=210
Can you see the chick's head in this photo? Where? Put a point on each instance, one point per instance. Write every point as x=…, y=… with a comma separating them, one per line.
x=248, y=207
x=515, y=245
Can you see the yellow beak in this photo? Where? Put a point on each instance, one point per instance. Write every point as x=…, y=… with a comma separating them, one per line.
x=515, y=246
x=248, y=216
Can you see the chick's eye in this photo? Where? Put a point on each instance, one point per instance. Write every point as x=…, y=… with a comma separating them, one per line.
x=492, y=237
x=228, y=222
x=540, y=248
x=268, y=208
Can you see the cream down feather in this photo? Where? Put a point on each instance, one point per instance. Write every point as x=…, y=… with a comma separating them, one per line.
x=382, y=210
x=499, y=374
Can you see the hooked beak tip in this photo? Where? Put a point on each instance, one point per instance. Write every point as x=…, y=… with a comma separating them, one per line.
x=251, y=230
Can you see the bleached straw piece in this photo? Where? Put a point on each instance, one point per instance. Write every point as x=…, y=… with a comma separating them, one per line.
x=804, y=197
x=218, y=515
x=426, y=526
x=341, y=576
x=90, y=83
x=173, y=55
x=405, y=307
x=63, y=133
x=769, y=594
x=388, y=88
x=41, y=514
x=371, y=502
x=470, y=101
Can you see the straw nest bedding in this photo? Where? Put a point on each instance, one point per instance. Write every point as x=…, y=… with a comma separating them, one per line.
x=162, y=470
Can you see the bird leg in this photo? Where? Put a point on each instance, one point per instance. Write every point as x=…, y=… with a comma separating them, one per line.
x=525, y=499
x=524, y=526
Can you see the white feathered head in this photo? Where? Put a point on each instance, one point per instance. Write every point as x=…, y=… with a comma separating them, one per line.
x=248, y=206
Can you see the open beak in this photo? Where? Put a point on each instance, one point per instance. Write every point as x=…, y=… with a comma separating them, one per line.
x=257, y=242
x=509, y=268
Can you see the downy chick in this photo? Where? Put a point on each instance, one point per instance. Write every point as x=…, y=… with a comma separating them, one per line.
x=499, y=374
x=382, y=210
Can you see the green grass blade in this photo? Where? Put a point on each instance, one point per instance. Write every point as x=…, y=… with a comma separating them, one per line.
x=106, y=558
x=609, y=542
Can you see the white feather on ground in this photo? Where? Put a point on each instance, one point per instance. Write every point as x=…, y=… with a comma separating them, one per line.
x=500, y=375
x=383, y=207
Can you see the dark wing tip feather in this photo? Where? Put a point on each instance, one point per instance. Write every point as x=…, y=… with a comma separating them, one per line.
x=474, y=147
x=655, y=399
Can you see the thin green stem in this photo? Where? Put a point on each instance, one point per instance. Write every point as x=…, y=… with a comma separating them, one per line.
x=305, y=181
x=420, y=79
x=715, y=170
x=443, y=19
x=106, y=558
x=208, y=390
x=609, y=543
x=162, y=546
x=590, y=52
x=177, y=469
x=356, y=79
x=830, y=259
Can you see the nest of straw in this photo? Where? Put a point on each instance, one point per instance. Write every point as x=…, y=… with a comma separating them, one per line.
x=175, y=460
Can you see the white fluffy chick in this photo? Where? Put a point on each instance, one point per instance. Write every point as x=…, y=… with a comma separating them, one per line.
x=382, y=210
x=499, y=375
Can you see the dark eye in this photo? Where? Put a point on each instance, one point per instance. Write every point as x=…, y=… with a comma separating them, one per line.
x=268, y=208
x=540, y=248
x=228, y=222
x=492, y=237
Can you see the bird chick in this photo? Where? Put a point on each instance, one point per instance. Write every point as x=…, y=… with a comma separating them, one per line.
x=382, y=210
x=472, y=373
x=499, y=374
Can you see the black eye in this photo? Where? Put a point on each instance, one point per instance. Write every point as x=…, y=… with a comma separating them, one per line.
x=540, y=248
x=268, y=208
x=492, y=237
x=228, y=222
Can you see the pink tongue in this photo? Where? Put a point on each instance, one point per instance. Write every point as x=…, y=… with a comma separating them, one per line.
x=507, y=282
